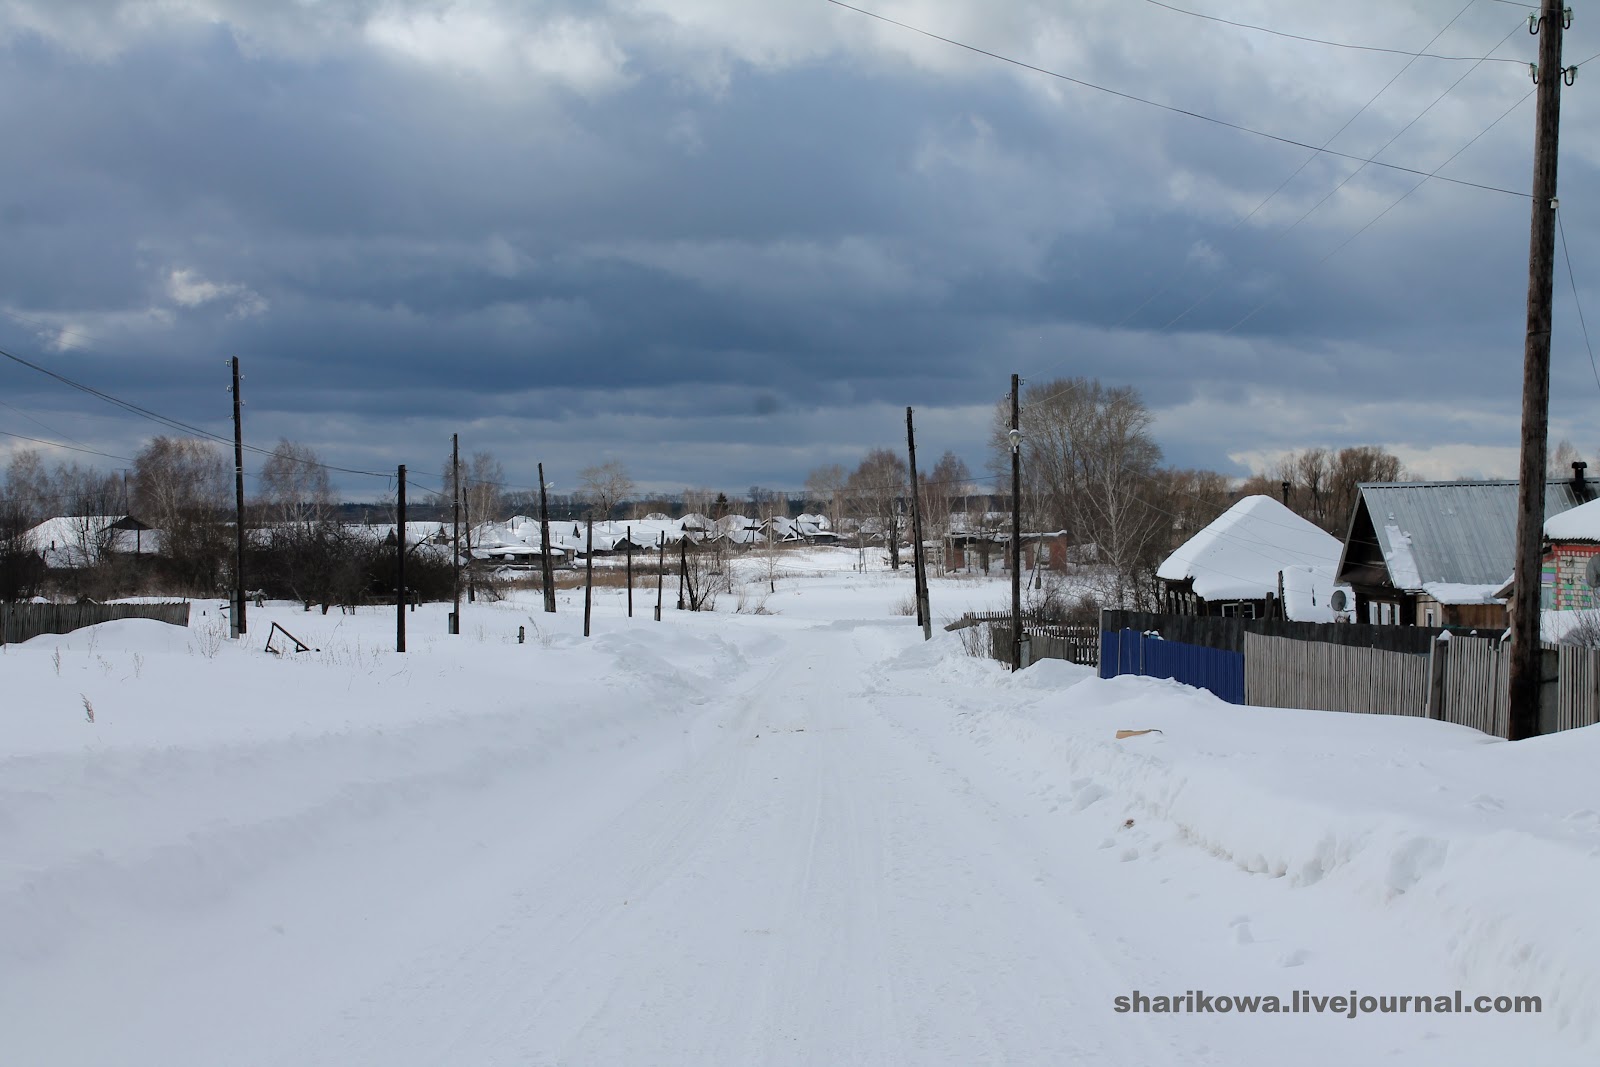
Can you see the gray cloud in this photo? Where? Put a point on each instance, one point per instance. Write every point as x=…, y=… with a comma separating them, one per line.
x=725, y=242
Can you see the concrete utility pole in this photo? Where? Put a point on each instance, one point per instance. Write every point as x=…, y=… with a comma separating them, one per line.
x=455, y=555
x=1526, y=653
x=1016, y=523
x=546, y=568
x=238, y=620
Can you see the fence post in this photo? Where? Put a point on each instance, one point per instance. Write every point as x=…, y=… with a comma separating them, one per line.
x=1438, y=663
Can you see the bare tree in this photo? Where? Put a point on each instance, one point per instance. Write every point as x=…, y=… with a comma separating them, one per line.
x=1562, y=457
x=482, y=489
x=1089, y=464
x=182, y=487
x=825, y=487
x=295, y=489
x=698, y=501
x=877, y=493
x=30, y=489
x=1191, y=499
x=605, y=485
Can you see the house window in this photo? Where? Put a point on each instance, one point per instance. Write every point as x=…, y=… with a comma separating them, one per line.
x=1242, y=611
x=1427, y=617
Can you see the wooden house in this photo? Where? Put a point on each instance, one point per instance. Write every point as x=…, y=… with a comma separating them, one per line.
x=1440, y=553
x=1258, y=559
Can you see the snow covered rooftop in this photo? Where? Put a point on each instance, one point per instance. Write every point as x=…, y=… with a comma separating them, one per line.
x=1582, y=523
x=1239, y=555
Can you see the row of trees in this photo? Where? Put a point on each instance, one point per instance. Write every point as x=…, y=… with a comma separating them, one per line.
x=1092, y=469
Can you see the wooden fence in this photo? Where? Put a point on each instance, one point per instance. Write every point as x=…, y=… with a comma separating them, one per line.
x=20, y=622
x=1408, y=671
x=1046, y=640
x=1477, y=684
x=1075, y=644
x=1578, y=700
x=1284, y=673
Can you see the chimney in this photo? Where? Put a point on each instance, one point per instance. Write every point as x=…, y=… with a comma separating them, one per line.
x=1286, y=488
x=1579, y=484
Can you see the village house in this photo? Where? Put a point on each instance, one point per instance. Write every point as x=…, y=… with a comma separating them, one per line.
x=1440, y=553
x=71, y=542
x=1258, y=559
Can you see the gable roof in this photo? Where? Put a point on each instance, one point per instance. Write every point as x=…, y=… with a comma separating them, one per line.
x=1582, y=523
x=1238, y=556
x=1451, y=533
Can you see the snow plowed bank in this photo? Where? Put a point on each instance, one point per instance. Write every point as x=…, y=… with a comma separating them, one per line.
x=1490, y=851
x=808, y=838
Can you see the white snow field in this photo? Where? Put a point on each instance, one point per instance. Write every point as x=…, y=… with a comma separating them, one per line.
x=797, y=838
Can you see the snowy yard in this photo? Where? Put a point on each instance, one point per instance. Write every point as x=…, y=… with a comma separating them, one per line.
x=806, y=837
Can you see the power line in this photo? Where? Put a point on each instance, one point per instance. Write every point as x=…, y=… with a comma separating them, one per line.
x=1394, y=204
x=69, y=448
x=168, y=421
x=1353, y=174
x=1566, y=252
x=1333, y=44
x=1164, y=107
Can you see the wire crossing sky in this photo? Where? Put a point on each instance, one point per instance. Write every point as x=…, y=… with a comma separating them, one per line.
x=726, y=243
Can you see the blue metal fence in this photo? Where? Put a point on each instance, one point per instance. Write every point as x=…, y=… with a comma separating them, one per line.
x=1147, y=655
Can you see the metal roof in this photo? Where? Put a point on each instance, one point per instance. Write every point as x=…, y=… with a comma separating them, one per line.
x=1454, y=532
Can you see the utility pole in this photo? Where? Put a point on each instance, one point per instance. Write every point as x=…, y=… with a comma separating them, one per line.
x=588, y=575
x=237, y=622
x=918, y=559
x=472, y=588
x=1526, y=652
x=400, y=564
x=455, y=493
x=661, y=571
x=1016, y=524
x=630, y=572
x=546, y=569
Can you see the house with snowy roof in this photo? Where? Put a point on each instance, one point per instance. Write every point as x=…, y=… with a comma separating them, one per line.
x=1570, y=575
x=70, y=542
x=1258, y=559
x=1439, y=553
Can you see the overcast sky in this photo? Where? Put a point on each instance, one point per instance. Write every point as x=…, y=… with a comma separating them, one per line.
x=725, y=241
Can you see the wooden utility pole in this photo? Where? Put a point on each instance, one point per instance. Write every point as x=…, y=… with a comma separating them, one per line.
x=546, y=568
x=238, y=620
x=1526, y=652
x=661, y=573
x=455, y=555
x=1016, y=524
x=918, y=558
x=588, y=576
x=400, y=565
x=630, y=571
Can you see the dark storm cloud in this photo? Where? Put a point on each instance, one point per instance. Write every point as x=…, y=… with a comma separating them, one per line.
x=697, y=231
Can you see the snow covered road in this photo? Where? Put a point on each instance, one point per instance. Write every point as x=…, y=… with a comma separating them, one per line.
x=723, y=841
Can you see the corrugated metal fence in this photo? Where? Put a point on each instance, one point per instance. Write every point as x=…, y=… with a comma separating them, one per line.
x=1147, y=655
x=20, y=622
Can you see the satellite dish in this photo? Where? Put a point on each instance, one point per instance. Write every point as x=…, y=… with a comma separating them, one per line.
x=1591, y=572
x=1338, y=601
